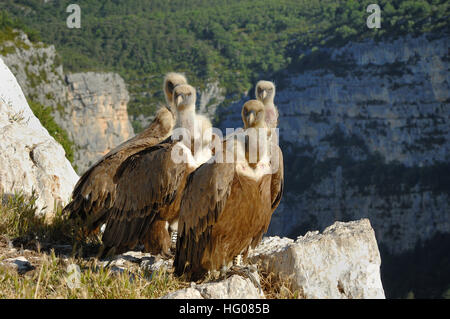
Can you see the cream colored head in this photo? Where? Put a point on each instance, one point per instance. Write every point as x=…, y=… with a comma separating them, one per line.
x=253, y=114
x=171, y=80
x=184, y=97
x=265, y=91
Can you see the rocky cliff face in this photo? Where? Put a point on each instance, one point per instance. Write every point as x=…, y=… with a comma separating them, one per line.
x=96, y=115
x=30, y=159
x=210, y=98
x=91, y=107
x=365, y=133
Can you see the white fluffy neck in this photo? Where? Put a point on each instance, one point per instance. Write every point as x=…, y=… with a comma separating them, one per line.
x=186, y=119
x=268, y=101
x=254, y=172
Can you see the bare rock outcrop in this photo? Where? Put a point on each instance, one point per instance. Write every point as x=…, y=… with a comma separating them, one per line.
x=96, y=115
x=30, y=159
x=234, y=287
x=209, y=98
x=342, y=262
x=91, y=107
x=20, y=264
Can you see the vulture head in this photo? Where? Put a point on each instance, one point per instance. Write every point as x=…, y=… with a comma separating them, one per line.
x=253, y=114
x=265, y=91
x=171, y=80
x=184, y=97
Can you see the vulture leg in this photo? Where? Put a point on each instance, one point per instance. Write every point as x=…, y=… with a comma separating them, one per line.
x=158, y=239
x=174, y=238
x=237, y=261
x=246, y=272
x=173, y=228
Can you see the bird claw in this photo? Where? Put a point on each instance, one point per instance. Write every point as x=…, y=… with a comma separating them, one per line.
x=246, y=272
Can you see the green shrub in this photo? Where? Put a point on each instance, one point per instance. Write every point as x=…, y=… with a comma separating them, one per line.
x=44, y=114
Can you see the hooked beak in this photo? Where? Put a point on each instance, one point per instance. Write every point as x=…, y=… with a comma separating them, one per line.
x=178, y=100
x=263, y=94
x=251, y=119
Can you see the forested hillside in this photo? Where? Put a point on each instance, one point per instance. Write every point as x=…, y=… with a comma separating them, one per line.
x=235, y=42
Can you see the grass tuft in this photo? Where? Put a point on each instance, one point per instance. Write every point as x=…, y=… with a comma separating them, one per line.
x=20, y=226
x=21, y=222
x=275, y=287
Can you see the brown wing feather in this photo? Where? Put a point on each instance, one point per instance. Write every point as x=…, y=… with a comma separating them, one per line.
x=95, y=191
x=160, y=129
x=204, y=199
x=277, y=183
x=147, y=183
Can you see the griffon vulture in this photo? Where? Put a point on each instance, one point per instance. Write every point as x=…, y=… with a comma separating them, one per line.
x=95, y=191
x=150, y=184
x=265, y=93
x=227, y=206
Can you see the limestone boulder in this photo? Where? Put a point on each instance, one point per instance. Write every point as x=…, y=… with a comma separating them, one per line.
x=234, y=287
x=30, y=159
x=342, y=262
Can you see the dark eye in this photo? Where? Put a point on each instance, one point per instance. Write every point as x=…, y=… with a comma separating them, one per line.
x=170, y=86
x=245, y=112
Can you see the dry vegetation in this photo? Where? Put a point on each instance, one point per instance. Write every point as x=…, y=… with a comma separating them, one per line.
x=50, y=247
x=49, y=279
x=275, y=287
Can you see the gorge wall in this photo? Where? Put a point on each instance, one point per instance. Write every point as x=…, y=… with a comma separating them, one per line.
x=365, y=133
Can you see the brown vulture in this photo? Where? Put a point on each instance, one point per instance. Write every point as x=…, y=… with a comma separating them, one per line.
x=265, y=93
x=227, y=206
x=150, y=183
x=95, y=191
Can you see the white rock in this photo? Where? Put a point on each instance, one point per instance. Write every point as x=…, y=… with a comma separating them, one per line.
x=234, y=287
x=21, y=264
x=152, y=264
x=186, y=293
x=13, y=104
x=91, y=107
x=30, y=159
x=342, y=262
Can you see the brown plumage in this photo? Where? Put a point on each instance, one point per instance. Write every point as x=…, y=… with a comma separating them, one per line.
x=147, y=198
x=227, y=207
x=149, y=188
x=95, y=192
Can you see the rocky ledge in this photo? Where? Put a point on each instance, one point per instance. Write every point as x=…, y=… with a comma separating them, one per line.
x=343, y=262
